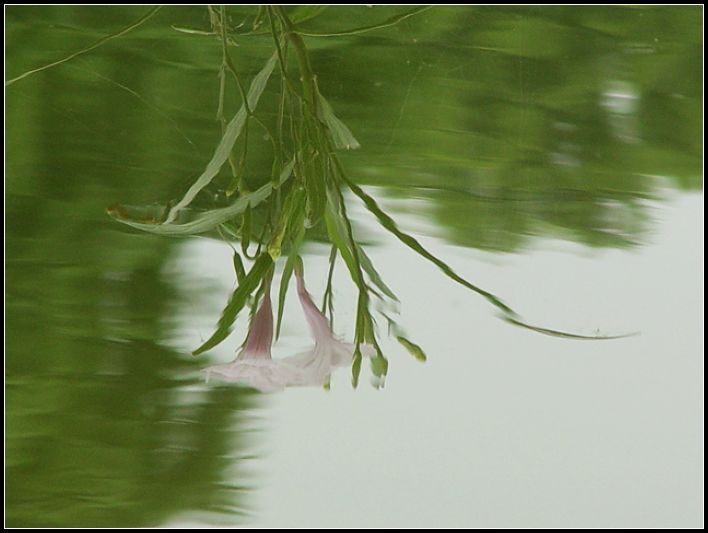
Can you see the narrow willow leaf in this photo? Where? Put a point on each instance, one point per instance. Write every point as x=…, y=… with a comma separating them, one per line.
x=338, y=239
x=315, y=186
x=563, y=334
x=290, y=221
x=230, y=229
x=336, y=213
x=237, y=302
x=327, y=303
x=193, y=31
x=373, y=274
x=285, y=279
x=204, y=220
x=413, y=349
x=260, y=81
x=246, y=231
x=379, y=366
x=282, y=293
x=238, y=267
x=388, y=223
x=337, y=232
x=231, y=133
x=509, y=314
x=341, y=136
x=356, y=369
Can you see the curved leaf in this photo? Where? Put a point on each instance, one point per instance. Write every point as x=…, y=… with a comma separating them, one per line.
x=237, y=302
x=203, y=221
x=231, y=133
x=341, y=136
x=412, y=348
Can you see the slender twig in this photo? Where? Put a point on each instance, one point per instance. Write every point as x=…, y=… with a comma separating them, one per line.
x=303, y=59
x=327, y=304
x=357, y=31
x=229, y=63
x=95, y=45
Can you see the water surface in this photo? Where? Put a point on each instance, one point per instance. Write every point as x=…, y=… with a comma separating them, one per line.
x=551, y=155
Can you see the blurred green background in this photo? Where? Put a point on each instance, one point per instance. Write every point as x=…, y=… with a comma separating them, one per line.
x=507, y=123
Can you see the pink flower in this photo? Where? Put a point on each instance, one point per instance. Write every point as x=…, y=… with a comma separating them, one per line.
x=254, y=366
x=317, y=364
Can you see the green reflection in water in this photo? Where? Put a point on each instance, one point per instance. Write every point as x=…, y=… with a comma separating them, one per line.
x=105, y=426
x=521, y=122
x=509, y=122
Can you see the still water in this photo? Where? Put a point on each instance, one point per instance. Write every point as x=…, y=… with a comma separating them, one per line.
x=553, y=156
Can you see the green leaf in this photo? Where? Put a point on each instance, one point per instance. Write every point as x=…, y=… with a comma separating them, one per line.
x=566, y=335
x=231, y=133
x=246, y=231
x=510, y=315
x=327, y=303
x=237, y=302
x=389, y=224
x=204, y=220
x=315, y=186
x=194, y=31
x=356, y=369
x=336, y=236
x=413, y=349
x=379, y=366
x=342, y=138
x=238, y=267
x=333, y=223
x=373, y=274
x=338, y=226
x=289, y=222
x=285, y=278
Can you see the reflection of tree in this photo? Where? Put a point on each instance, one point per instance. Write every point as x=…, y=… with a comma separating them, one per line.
x=515, y=122
x=104, y=424
x=509, y=120
x=95, y=446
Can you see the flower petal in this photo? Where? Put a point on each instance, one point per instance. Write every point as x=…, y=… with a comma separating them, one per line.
x=318, y=363
x=260, y=333
x=263, y=375
x=319, y=325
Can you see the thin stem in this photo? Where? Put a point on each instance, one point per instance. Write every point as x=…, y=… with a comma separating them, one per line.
x=227, y=60
x=268, y=134
x=95, y=45
x=303, y=59
x=281, y=56
x=363, y=316
x=222, y=85
x=327, y=304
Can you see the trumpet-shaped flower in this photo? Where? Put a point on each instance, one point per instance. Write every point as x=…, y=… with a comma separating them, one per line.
x=254, y=366
x=317, y=364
